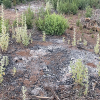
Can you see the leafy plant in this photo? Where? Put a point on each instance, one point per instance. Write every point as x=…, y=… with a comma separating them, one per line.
x=14, y=70
x=44, y=36
x=96, y=48
x=78, y=22
x=4, y=61
x=23, y=92
x=74, y=38
x=4, y=36
x=21, y=32
x=7, y=3
x=80, y=73
x=88, y=11
x=67, y=7
x=85, y=42
x=63, y=39
x=29, y=18
x=55, y=24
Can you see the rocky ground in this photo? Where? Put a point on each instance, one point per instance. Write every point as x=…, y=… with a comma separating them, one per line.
x=44, y=67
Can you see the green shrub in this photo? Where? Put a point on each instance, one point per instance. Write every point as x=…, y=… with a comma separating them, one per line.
x=55, y=24
x=6, y=24
x=7, y=3
x=81, y=4
x=39, y=20
x=29, y=18
x=88, y=11
x=78, y=22
x=1, y=1
x=92, y=3
x=80, y=74
x=67, y=7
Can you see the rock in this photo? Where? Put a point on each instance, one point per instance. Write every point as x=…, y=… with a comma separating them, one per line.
x=84, y=26
x=36, y=91
x=98, y=29
x=87, y=19
x=71, y=28
x=80, y=46
x=16, y=59
x=94, y=28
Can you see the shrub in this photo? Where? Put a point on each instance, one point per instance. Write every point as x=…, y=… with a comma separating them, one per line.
x=96, y=48
x=88, y=11
x=52, y=24
x=78, y=22
x=39, y=20
x=7, y=3
x=92, y=3
x=55, y=24
x=1, y=1
x=80, y=73
x=4, y=36
x=29, y=18
x=67, y=7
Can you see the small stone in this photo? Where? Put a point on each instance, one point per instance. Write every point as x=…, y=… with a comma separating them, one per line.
x=94, y=28
x=36, y=91
x=87, y=19
x=98, y=29
x=16, y=59
x=71, y=28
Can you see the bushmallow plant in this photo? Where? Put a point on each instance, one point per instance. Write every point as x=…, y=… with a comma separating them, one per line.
x=63, y=39
x=18, y=31
x=80, y=74
x=44, y=36
x=96, y=48
x=85, y=42
x=4, y=61
x=4, y=36
x=74, y=38
x=25, y=37
x=23, y=92
x=21, y=32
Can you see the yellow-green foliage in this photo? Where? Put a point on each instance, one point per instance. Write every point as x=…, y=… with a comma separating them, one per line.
x=4, y=61
x=23, y=92
x=4, y=36
x=79, y=73
x=96, y=48
x=18, y=31
x=98, y=68
x=44, y=36
x=63, y=39
x=74, y=38
x=21, y=32
x=85, y=42
x=25, y=37
x=14, y=70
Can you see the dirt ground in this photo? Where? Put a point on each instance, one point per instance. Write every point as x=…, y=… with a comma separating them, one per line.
x=40, y=66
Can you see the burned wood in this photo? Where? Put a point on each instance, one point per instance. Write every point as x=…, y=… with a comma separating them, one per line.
x=52, y=91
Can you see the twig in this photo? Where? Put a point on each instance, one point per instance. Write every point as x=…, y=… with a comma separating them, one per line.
x=44, y=98
x=53, y=92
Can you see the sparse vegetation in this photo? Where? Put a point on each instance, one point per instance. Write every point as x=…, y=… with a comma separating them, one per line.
x=7, y=3
x=4, y=36
x=3, y=61
x=80, y=74
x=74, y=38
x=88, y=11
x=85, y=42
x=41, y=26
x=23, y=92
x=29, y=18
x=96, y=48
